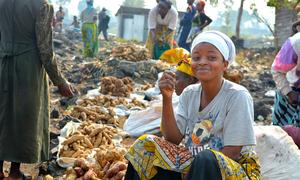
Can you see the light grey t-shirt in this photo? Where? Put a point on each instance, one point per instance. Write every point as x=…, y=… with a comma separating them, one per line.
x=226, y=121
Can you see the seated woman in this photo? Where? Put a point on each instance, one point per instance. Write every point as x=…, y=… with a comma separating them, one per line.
x=213, y=122
x=152, y=116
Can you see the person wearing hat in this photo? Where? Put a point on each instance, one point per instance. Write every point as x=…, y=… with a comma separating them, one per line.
x=151, y=118
x=213, y=121
x=89, y=29
x=103, y=19
x=184, y=78
x=162, y=22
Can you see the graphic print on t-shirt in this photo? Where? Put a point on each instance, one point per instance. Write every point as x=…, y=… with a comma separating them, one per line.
x=202, y=137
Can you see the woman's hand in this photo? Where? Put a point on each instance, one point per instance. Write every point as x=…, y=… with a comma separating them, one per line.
x=294, y=26
x=66, y=89
x=293, y=98
x=167, y=84
x=154, y=39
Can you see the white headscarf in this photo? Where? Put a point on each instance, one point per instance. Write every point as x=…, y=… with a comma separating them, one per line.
x=220, y=40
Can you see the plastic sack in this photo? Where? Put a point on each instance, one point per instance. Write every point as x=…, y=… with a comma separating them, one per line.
x=175, y=55
x=154, y=91
x=159, y=49
x=278, y=154
x=292, y=76
x=147, y=121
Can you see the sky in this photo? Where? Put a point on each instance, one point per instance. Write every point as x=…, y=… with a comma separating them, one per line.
x=113, y=6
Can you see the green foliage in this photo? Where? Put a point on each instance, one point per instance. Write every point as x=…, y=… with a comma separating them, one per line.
x=226, y=27
x=213, y=2
x=283, y=3
x=228, y=24
x=134, y=3
x=262, y=19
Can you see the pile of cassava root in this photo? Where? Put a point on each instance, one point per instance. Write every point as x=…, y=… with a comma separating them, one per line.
x=107, y=102
x=130, y=52
x=94, y=114
x=88, y=136
x=116, y=87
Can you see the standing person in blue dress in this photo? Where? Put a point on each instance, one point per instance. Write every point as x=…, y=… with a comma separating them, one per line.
x=186, y=25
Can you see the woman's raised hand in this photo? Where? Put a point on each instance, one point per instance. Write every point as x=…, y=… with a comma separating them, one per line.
x=167, y=84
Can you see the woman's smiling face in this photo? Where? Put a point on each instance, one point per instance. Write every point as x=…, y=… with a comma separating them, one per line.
x=207, y=62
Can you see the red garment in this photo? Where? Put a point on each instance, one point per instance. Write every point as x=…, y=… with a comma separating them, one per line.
x=202, y=3
x=294, y=132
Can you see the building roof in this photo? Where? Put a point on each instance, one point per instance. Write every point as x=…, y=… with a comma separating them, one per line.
x=132, y=10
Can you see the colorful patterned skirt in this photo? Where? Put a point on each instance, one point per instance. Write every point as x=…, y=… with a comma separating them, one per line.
x=90, y=39
x=159, y=31
x=150, y=152
x=284, y=113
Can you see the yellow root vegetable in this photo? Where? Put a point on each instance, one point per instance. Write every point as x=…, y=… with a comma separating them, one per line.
x=88, y=143
x=73, y=139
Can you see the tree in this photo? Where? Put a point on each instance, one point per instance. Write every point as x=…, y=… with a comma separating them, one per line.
x=239, y=19
x=283, y=3
x=292, y=6
x=262, y=19
x=228, y=6
x=134, y=3
x=214, y=2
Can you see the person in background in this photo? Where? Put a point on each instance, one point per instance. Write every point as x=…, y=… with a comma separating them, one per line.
x=75, y=23
x=103, y=19
x=214, y=122
x=286, y=74
x=186, y=25
x=184, y=78
x=26, y=61
x=89, y=29
x=162, y=23
x=200, y=21
x=60, y=15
